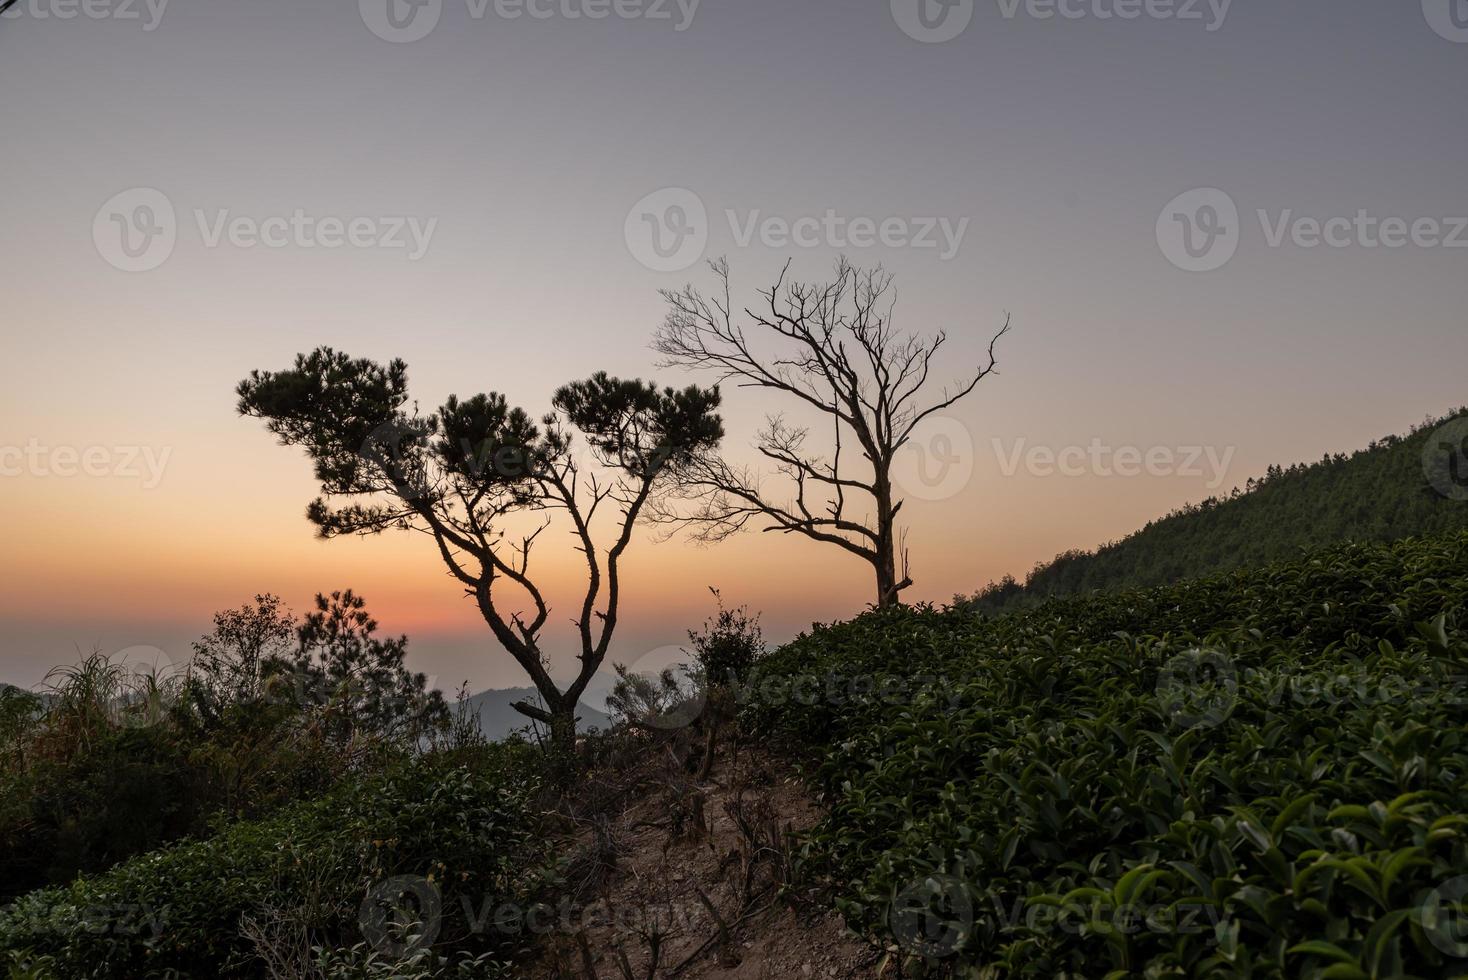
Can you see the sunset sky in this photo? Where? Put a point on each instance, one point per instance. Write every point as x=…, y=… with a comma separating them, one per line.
x=521, y=151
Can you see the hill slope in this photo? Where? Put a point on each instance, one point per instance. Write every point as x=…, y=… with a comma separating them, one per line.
x=1259, y=774
x=1377, y=494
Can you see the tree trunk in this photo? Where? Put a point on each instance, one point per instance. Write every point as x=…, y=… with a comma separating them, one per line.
x=563, y=727
x=885, y=562
x=563, y=741
x=559, y=718
x=886, y=579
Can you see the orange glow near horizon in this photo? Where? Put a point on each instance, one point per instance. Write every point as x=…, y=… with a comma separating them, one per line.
x=531, y=149
x=156, y=564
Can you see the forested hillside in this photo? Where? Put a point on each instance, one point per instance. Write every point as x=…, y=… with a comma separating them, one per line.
x=1257, y=774
x=1380, y=493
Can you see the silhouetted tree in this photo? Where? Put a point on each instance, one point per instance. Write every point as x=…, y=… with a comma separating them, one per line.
x=233, y=660
x=460, y=475
x=835, y=351
x=361, y=681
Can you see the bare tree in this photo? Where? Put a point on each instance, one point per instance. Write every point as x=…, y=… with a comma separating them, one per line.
x=461, y=475
x=831, y=348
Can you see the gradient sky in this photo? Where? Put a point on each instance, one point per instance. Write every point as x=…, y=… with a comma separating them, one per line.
x=529, y=140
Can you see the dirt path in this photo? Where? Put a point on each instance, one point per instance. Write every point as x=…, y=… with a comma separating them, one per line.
x=679, y=877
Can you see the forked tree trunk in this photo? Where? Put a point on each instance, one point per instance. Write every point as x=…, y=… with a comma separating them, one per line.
x=559, y=718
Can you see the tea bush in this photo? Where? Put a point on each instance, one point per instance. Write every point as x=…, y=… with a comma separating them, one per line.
x=297, y=881
x=1260, y=774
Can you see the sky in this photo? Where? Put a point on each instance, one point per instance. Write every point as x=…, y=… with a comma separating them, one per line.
x=1228, y=235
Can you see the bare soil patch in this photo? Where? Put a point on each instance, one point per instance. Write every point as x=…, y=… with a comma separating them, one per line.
x=673, y=876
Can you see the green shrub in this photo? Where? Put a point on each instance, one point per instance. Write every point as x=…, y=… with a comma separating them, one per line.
x=118, y=758
x=1280, y=756
x=300, y=878
x=728, y=646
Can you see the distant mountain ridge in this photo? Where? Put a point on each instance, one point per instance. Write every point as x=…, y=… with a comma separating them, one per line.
x=498, y=719
x=493, y=709
x=1377, y=494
